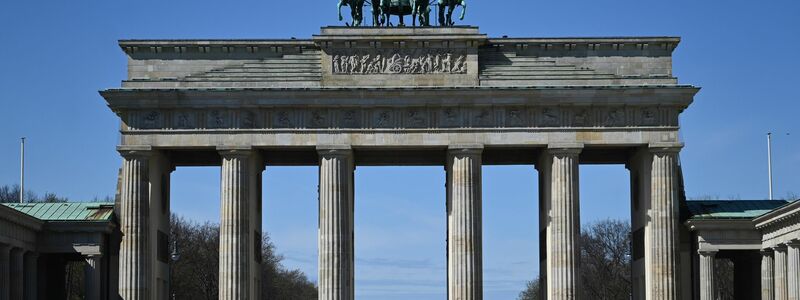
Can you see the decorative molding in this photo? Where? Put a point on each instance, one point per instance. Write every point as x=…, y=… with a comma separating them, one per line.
x=398, y=61
x=421, y=117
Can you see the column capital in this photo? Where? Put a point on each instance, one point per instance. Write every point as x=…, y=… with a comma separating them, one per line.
x=779, y=247
x=572, y=149
x=234, y=151
x=465, y=149
x=665, y=148
x=767, y=252
x=711, y=253
x=334, y=150
x=135, y=151
x=793, y=243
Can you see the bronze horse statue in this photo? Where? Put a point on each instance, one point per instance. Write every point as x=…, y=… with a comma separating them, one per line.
x=356, y=10
x=446, y=19
x=382, y=10
x=400, y=8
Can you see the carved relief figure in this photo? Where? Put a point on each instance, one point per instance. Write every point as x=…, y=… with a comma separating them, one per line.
x=615, y=117
x=399, y=61
x=349, y=118
x=580, y=117
x=514, y=117
x=648, y=117
x=415, y=118
x=483, y=117
x=383, y=119
x=317, y=118
x=150, y=120
x=182, y=121
x=550, y=117
x=283, y=119
x=217, y=119
x=248, y=120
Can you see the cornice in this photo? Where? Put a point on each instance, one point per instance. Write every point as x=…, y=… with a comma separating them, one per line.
x=777, y=215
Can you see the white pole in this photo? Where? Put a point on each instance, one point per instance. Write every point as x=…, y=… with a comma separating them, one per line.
x=22, y=171
x=769, y=162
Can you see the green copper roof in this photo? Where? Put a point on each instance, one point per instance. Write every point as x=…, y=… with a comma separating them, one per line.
x=69, y=211
x=731, y=209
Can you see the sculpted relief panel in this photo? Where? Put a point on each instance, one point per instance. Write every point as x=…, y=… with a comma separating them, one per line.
x=424, y=117
x=398, y=61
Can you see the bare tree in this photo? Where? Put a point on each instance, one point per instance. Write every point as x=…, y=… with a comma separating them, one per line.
x=532, y=291
x=195, y=274
x=605, y=263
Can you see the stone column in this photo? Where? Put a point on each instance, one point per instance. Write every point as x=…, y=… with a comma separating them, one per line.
x=661, y=233
x=793, y=269
x=17, y=264
x=781, y=288
x=707, y=274
x=31, y=276
x=134, y=253
x=336, y=236
x=464, y=238
x=5, y=272
x=234, y=237
x=92, y=277
x=559, y=172
x=767, y=275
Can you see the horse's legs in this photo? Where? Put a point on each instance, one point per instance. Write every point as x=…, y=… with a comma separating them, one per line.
x=441, y=15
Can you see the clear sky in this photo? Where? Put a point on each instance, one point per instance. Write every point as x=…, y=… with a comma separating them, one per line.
x=56, y=55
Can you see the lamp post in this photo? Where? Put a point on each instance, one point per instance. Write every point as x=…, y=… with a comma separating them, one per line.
x=174, y=256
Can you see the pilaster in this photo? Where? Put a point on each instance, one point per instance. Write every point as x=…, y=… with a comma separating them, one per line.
x=5, y=272
x=16, y=271
x=767, y=274
x=336, y=235
x=707, y=274
x=661, y=231
x=92, y=277
x=559, y=176
x=464, y=213
x=135, y=268
x=239, y=166
x=31, y=276
x=793, y=269
x=781, y=282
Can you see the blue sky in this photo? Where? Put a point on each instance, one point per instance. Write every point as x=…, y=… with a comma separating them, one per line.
x=56, y=55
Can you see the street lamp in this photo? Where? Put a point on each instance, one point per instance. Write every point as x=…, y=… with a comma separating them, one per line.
x=174, y=256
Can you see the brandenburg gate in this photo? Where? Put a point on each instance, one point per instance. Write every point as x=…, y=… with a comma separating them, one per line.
x=361, y=96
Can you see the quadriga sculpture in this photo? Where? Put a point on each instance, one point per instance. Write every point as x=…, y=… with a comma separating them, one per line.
x=446, y=18
x=356, y=10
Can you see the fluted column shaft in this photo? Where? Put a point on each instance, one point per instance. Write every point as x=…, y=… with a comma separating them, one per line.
x=336, y=236
x=560, y=179
x=661, y=253
x=793, y=269
x=17, y=264
x=464, y=212
x=5, y=272
x=31, y=280
x=234, y=241
x=134, y=255
x=781, y=282
x=707, y=274
x=92, y=277
x=767, y=275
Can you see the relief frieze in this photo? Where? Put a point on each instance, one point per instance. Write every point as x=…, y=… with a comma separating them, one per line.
x=407, y=117
x=398, y=61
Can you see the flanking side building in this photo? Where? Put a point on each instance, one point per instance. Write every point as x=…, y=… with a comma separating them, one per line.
x=38, y=239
